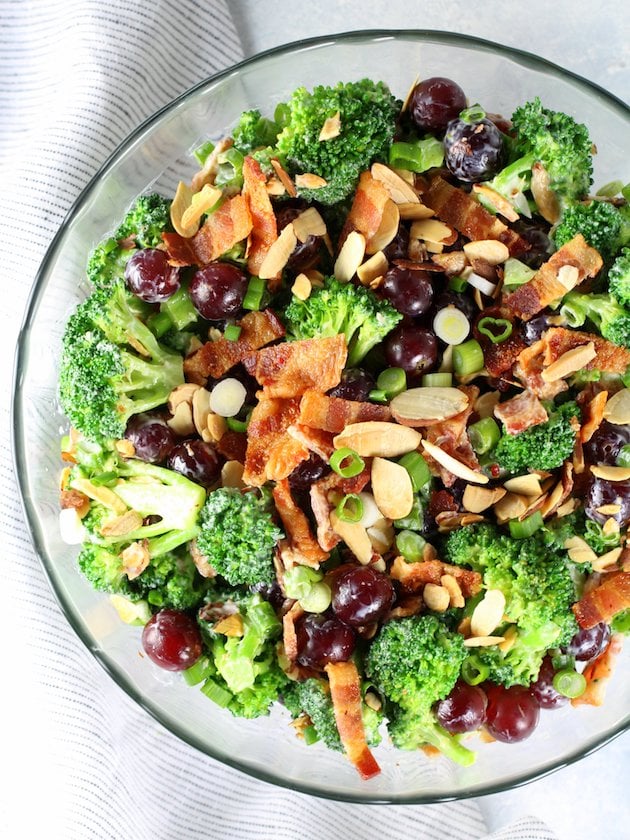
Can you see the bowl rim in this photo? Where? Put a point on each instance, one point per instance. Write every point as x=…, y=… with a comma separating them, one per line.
x=117, y=674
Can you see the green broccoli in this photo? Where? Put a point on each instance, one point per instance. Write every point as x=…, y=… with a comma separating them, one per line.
x=253, y=131
x=106, y=264
x=345, y=308
x=541, y=447
x=609, y=317
x=112, y=366
x=171, y=581
x=619, y=277
x=238, y=536
x=103, y=568
x=599, y=222
x=414, y=662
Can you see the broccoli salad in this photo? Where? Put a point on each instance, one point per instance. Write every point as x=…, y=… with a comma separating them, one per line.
x=350, y=420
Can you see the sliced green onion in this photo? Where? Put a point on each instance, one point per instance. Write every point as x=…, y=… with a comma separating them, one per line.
x=254, y=294
x=625, y=378
x=232, y=332
x=202, y=153
x=180, y=309
x=611, y=189
x=410, y=545
x=569, y=683
x=623, y=458
x=318, y=598
x=105, y=479
x=159, y=323
x=515, y=272
x=451, y=325
x=467, y=358
x=235, y=425
x=418, y=469
x=299, y=580
x=350, y=508
x=310, y=735
x=392, y=381
x=474, y=671
x=496, y=329
x=417, y=157
x=377, y=395
x=215, y=692
x=437, y=380
x=484, y=435
x=621, y=622
x=457, y=284
x=520, y=529
x=561, y=661
x=198, y=672
x=472, y=114
x=346, y=462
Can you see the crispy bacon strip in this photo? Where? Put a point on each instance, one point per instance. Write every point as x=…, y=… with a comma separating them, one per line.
x=544, y=287
x=215, y=358
x=333, y=414
x=609, y=357
x=604, y=601
x=451, y=436
x=345, y=692
x=521, y=412
x=594, y=413
x=267, y=426
x=366, y=213
x=528, y=370
x=222, y=230
x=461, y=211
x=285, y=455
x=290, y=369
x=264, y=230
x=315, y=440
x=321, y=507
x=598, y=673
x=304, y=546
x=179, y=250
x=413, y=576
x=289, y=634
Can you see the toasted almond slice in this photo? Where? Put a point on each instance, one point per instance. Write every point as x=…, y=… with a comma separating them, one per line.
x=477, y=499
x=490, y=250
x=409, y=94
x=510, y=637
x=278, y=254
x=545, y=198
x=617, y=410
x=125, y=448
x=453, y=263
x=417, y=405
x=496, y=201
x=483, y=641
x=566, y=508
x=432, y=230
x=217, y=426
x=611, y=473
x=310, y=181
x=355, y=537
x=231, y=625
x=568, y=276
x=375, y=267
x=375, y=438
x=453, y=465
x=381, y=535
x=135, y=559
x=201, y=202
x=201, y=408
x=232, y=475
x=437, y=598
x=550, y=501
x=488, y=613
x=579, y=550
x=456, y=598
x=609, y=559
x=451, y=520
x=350, y=257
x=387, y=229
x=182, y=422
x=610, y=526
x=485, y=404
x=121, y=525
x=399, y=190
x=414, y=211
x=608, y=510
x=511, y=506
x=284, y=177
x=331, y=128
x=392, y=488
x=570, y=362
x=524, y=485
x=302, y=287
x=100, y=494
x=309, y=223
x=181, y=202
x=274, y=186
x=183, y=393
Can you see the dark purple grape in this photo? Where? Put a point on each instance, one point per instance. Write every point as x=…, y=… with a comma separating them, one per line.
x=601, y=492
x=321, y=640
x=414, y=349
x=398, y=248
x=460, y=301
x=151, y=436
x=464, y=710
x=355, y=384
x=361, y=596
x=308, y=472
x=197, y=460
x=541, y=244
x=409, y=291
x=533, y=329
x=587, y=644
x=606, y=443
x=435, y=102
x=172, y=640
x=270, y=592
x=544, y=693
x=473, y=149
x=217, y=291
x=306, y=254
x=512, y=713
x=150, y=277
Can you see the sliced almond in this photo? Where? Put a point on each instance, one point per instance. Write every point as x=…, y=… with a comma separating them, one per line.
x=125, y=448
x=392, y=488
x=604, y=561
x=284, y=177
x=309, y=223
x=611, y=473
x=545, y=198
x=485, y=404
x=524, y=485
x=355, y=537
x=183, y=393
x=409, y=94
x=570, y=362
x=399, y=190
x=381, y=535
x=350, y=256
x=453, y=465
x=135, y=559
x=216, y=427
x=436, y=598
x=568, y=276
x=182, y=422
x=201, y=409
x=477, y=499
x=451, y=520
x=610, y=526
x=231, y=625
x=417, y=405
x=331, y=128
x=310, y=181
x=121, y=525
x=100, y=494
x=201, y=202
x=551, y=501
x=509, y=639
x=608, y=510
x=579, y=550
x=496, y=201
x=181, y=202
x=432, y=230
x=488, y=613
x=232, y=475
x=456, y=597
x=483, y=641
x=375, y=267
x=511, y=506
x=490, y=250
x=375, y=438
x=278, y=254
x=566, y=508
x=387, y=229
x=453, y=262
x=414, y=211
x=302, y=287
x=274, y=186
x=617, y=410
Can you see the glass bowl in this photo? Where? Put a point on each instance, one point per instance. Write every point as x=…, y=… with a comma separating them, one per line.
x=156, y=156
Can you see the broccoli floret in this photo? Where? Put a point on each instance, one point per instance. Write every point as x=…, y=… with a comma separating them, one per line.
x=112, y=366
x=607, y=315
x=599, y=222
x=171, y=581
x=102, y=566
x=541, y=447
x=253, y=131
x=367, y=120
x=146, y=221
x=414, y=662
x=619, y=278
x=106, y=263
x=337, y=308
x=238, y=536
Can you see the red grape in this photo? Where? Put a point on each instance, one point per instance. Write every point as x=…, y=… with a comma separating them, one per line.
x=606, y=444
x=172, y=640
x=414, y=349
x=151, y=436
x=512, y=713
x=473, y=150
x=435, y=102
x=305, y=255
x=361, y=596
x=409, y=291
x=197, y=460
x=543, y=690
x=308, y=472
x=321, y=640
x=464, y=710
x=150, y=277
x=601, y=492
x=355, y=384
x=217, y=291
x=587, y=644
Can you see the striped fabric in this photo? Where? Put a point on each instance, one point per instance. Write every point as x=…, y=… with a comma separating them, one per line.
x=81, y=759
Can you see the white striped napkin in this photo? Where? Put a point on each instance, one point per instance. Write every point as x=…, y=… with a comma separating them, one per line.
x=84, y=761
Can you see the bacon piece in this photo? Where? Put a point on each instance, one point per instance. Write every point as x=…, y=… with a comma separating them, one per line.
x=521, y=412
x=345, y=693
x=598, y=673
x=315, y=440
x=414, y=576
x=366, y=213
x=222, y=230
x=333, y=414
x=74, y=499
x=290, y=369
x=544, y=287
x=267, y=427
x=594, y=414
x=215, y=358
x=609, y=357
x=451, y=436
x=289, y=634
x=303, y=546
x=528, y=370
x=264, y=230
x=499, y=358
x=321, y=507
x=284, y=455
x=461, y=211
x=179, y=250
x=604, y=601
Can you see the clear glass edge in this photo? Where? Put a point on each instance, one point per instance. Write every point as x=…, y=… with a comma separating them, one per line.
x=437, y=36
